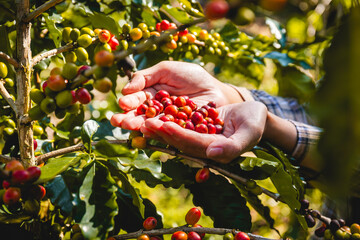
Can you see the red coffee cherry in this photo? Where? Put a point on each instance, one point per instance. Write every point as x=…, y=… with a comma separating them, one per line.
x=83, y=95
x=218, y=121
x=172, y=110
x=197, y=118
x=191, y=104
x=160, y=95
x=242, y=236
x=56, y=83
x=159, y=104
x=14, y=165
x=209, y=120
x=201, y=128
x=180, y=122
x=211, y=128
x=165, y=118
x=216, y=9
x=183, y=33
x=35, y=144
x=11, y=196
x=19, y=177
x=104, y=58
x=164, y=25
x=219, y=129
x=179, y=235
x=141, y=109
x=34, y=173
x=202, y=235
x=202, y=175
x=150, y=223
x=6, y=184
x=189, y=125
x=213, y=113
x=150, y=112
x=193, y=236
x=182, y=115
x=114, y=43
x=203, y=111
x=104, y=36
x=166, y=102
x=180, y=101
x=186, y=109
x=143, y=237
x=193, y=216
x=212, y=104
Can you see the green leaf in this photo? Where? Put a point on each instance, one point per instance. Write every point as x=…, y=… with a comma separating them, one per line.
x=88, y=130
x=98, y=192
x=222, y=202
x=133, y=220
x=105, y=149
x=59, y=194
x=55, y=166
x=277, y=30
x=126, y=186
x=259, y=164
x=294, y=83
x=283, y=181
x=100, y=20
x=55, y=33
x=256, y=203
x=229, y=32
x=177, y=13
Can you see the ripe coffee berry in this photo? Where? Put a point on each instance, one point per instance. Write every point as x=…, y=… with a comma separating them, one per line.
x=11, y=196
x=34, y=173
x=20, y=177
x=193, y=216
x=179, y=235
x=150, y=223
x=202, y=235
x=193, y=236
x=160, y=95
x=202, y=175
x=242, y=236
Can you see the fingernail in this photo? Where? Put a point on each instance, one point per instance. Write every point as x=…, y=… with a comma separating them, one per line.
x=216, y=151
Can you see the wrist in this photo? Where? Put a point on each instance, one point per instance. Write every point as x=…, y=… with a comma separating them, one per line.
x=280, y=132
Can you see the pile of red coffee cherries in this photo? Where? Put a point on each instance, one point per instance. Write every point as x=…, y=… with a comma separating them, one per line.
x=183, y=111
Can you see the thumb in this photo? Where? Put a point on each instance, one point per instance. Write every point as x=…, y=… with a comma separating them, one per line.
x=224, y=150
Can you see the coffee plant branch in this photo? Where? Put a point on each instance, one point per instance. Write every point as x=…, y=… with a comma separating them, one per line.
x=139, y=48
x=7, y=96
x=40, y=10
x=5, y=159
x=204, y=162
x=157, y=232
x=9, y=59
x=68, y=47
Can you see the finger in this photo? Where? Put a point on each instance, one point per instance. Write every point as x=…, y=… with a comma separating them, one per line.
x=133, y=100
x=116, y=119
x=183, y=139
x=143, y=79
x=129, y=121
x=224, y=150
x=150, y=134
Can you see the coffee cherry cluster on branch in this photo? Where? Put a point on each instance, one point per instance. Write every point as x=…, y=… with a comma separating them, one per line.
x=335, y=229
x=183, y=111
x=18, y=184
x=9, y=84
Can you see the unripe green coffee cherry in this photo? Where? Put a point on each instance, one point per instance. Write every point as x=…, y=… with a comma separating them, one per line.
x=102, y=46
x=74, y=34
x=69, y=71
x=66, y=34
x=126, y=28
x=84, y=40
x=74, y=108
x=38, y=130
x=86, y=30
x=251, y=184
x=257, y=190
x=82, y=54
x=124, y=45
x=36, y=113
x=60, y=113
x=48, y=105
x=3, y=70
x=10, y=123
x=9, y=83
x=228, y=236
x=64, y=99
x=70, y=57
x=37, y=95
x=8, y=131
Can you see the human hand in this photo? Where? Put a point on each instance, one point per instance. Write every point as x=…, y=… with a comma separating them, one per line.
x=177, y=78
x=244, y=125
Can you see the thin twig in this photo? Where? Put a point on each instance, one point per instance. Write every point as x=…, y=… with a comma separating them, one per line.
x=9, y=59
x=7, y=97
x=40, y=10
x=158, y=232
x=74, y=148
x=206, y=162
x=5, y=159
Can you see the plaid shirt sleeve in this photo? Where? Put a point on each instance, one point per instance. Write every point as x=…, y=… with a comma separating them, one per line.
x=290, y=109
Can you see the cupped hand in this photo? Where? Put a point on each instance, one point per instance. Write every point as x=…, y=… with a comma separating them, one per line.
x=178, y=78
x=244, y=125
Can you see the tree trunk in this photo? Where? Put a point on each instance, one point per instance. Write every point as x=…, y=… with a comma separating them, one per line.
x=23, y=79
